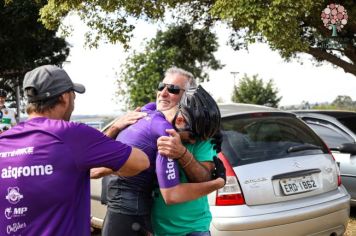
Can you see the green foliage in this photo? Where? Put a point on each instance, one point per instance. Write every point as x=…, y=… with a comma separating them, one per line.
x=181, y=46
x=109, y=19
x=254, y=91
x=25, y=43
x=343, y=100
x=325, y=107
x=290, y=27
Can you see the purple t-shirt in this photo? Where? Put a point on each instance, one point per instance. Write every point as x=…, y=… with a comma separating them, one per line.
x=144, y=135
x=45, y=187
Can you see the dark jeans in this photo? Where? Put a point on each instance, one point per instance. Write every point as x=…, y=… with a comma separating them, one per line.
x=131, y=225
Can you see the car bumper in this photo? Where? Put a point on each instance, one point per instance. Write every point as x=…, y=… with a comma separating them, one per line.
x=98, y=214
x=320, y=219
x=349, y=181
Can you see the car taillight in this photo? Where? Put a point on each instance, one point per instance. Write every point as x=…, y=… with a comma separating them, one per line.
x=337, y=166
x=231, y=193
x=338, y=170
x=338, y=180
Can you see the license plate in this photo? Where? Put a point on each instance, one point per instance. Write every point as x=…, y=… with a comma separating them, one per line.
x=298, y=185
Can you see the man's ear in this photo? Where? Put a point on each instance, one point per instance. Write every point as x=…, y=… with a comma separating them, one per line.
x=64, y=98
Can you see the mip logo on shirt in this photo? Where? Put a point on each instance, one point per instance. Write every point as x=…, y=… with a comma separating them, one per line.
x=15, y=212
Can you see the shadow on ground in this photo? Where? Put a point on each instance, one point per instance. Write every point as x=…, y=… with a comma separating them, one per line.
x=96, y=233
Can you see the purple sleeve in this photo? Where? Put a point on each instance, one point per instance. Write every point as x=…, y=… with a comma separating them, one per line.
x=167, y=172
x=166, y=169
x=93, y=149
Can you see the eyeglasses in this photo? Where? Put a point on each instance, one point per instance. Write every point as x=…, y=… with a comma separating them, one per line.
x=173, y=89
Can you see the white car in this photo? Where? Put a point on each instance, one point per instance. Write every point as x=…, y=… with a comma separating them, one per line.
x=338, y=130
x=281, y=178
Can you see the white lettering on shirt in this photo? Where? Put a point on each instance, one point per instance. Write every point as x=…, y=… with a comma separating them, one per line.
x=170, y=169
x=26, y=171
x=15, y=227
x=17, y=152
x=16, y=212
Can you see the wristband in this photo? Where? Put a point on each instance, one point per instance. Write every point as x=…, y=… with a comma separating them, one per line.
x=183, y=154
x=191, y=158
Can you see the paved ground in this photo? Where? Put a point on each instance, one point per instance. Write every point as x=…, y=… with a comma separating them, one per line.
x=351, y=229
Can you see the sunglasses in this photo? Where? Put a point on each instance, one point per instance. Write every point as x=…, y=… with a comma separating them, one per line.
x=171, y=88
x=187, y=128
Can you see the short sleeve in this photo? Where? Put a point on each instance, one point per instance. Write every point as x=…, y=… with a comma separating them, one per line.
x=92, y=148
x=167, y=170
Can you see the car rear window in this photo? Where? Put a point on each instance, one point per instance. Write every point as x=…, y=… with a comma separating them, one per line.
x=254, y=138
x=330, y=133
x=349, y=122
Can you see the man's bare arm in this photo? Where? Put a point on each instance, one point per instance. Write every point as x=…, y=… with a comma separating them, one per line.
x=124, y=121
x=96, y=173
x=196, y=171
x=137, y=162
x=190, y=191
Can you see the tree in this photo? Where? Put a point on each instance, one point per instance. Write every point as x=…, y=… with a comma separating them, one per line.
x=289, y=26
x=343, y=101
x=25, y=43
x=254, y=91
x=181, y=46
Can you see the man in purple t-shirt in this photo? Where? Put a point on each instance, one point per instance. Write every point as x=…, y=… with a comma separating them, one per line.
x=45, y=161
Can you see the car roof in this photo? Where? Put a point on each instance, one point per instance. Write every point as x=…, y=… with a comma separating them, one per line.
x=334, y=113
x=230, y=109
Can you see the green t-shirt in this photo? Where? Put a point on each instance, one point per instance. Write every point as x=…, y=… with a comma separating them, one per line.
x=186, y=217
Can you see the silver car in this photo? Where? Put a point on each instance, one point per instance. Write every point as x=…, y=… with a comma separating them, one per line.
x=281, y=178
x=338, y=130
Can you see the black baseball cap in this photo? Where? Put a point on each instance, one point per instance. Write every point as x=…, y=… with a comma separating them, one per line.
x=49, y=81
x=3, y=93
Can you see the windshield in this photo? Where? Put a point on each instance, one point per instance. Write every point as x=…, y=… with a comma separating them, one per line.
x=249, y=139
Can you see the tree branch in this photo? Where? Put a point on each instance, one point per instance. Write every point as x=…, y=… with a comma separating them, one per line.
x=323, y=55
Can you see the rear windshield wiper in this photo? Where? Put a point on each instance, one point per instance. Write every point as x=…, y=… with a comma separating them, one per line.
x=303, y=147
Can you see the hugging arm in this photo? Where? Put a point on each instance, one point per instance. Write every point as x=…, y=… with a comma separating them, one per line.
x=124, y=121
x=137, y=162
x=190, y=191
x=171, y=146
x=173, y=191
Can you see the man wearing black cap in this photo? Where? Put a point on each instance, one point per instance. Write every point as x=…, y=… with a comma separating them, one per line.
x=7, y=116
x=45, y=161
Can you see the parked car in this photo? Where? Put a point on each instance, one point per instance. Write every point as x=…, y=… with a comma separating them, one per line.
x=281, y=178
x=338, y=130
